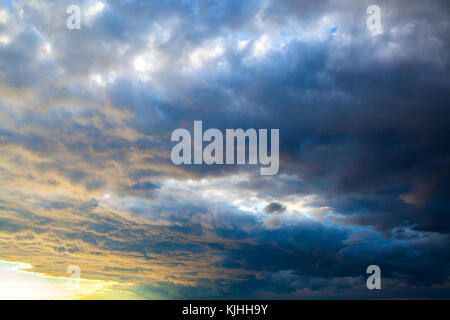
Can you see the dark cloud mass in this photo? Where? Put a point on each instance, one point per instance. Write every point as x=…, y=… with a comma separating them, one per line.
x=274, y=207
x=85, y=123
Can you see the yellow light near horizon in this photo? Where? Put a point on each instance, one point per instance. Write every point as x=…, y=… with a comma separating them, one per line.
x=18, y=283
x=15, y=285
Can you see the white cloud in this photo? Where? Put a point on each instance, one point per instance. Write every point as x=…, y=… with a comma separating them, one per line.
x=92, y=11
x=4, y=40
x=4, y=16
x=204, y=55
x=143, y=65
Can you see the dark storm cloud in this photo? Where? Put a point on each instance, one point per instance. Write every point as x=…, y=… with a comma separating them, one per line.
x=317, y=261
x=375, y=124
x=274, y=208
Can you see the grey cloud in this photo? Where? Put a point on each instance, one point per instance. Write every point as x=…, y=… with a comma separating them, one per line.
x=274, y=207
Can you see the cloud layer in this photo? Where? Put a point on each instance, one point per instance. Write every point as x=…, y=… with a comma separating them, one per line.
x=85, y=123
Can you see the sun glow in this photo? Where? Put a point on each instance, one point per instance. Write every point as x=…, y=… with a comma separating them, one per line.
x=19, y=283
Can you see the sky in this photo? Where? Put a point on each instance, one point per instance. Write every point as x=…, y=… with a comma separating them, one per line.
x=86, y=175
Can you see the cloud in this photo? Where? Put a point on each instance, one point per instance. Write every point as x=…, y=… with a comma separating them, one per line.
x=274, y=207
x=85, y=123
x=272, y=223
